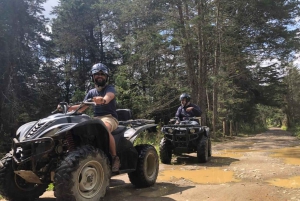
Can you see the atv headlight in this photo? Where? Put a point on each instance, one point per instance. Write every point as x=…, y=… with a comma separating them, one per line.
x=192, y=131
x=170, y=130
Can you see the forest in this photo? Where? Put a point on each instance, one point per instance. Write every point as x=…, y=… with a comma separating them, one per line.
x=235, y=58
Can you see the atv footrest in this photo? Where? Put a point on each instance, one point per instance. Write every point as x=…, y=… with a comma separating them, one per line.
x=122, y=172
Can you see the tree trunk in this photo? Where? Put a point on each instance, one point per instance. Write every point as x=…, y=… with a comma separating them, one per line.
x=202, y=68
x=188, y=50
x=216, y=72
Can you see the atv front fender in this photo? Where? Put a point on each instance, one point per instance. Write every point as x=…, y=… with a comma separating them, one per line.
x=22, y=130
x=132, y=133
x=207, y=133
x=93, y=132
x=93, y=122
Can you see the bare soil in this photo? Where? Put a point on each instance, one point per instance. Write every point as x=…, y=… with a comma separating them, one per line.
x=241, y=168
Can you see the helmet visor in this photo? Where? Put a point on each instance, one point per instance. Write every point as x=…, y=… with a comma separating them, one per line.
x=99, y=67
x=97, y=71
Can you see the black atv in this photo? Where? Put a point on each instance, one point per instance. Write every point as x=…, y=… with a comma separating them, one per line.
x=185, y=136
x=71, y=150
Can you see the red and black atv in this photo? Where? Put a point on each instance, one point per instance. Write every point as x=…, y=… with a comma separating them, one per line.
x=71, y=150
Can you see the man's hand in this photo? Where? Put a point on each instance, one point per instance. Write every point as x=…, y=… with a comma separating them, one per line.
x=189, y=109
x=72, y=108
x=60, y=106
x=99, y=100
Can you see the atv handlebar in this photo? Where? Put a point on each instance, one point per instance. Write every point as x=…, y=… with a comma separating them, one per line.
x=136, y=122
x=64, y=106
x=88, y=102
x=176, y=120
x=83, y=103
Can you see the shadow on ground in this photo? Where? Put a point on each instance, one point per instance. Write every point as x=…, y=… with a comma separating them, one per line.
x=214, y=161
x=121, y=191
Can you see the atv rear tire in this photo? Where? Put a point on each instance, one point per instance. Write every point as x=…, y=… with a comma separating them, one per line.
x=13, y=187
x=83, y=175
x=165, y=151
x=202, y=150
x=146, y=171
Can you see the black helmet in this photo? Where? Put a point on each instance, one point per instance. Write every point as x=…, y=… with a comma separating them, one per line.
x=186, y=96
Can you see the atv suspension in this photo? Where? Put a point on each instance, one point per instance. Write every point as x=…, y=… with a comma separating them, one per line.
x=70, y=141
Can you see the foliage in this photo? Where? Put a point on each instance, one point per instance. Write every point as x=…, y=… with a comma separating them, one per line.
x=233, y=57
x=284, y=128
x=153, y=138
x=291, y=97
x=250, y=129
x=22, y=47
x=295, y=130
x=50, y=187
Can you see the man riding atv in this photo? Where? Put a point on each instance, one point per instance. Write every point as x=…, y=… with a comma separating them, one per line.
x=184, y=134
x=187, y=109
x=105, y=109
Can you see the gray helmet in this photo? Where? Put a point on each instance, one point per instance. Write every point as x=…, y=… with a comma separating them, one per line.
x=186, y=96
x=99, y=67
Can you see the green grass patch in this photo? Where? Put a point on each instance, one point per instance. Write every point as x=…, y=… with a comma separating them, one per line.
x=50, y=187
x=250, y=130
x=295, y=130
x=149, y=138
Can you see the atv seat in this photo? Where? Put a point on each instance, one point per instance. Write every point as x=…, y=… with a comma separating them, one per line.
x=119, y=130
x=124, y=114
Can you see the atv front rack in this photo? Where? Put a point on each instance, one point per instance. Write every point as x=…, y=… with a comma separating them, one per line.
x=26, y=151
x=182, y=136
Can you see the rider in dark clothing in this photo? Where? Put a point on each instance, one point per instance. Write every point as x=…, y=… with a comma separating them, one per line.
x=187, y=109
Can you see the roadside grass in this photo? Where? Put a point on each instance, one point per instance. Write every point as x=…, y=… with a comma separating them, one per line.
x=50, y=187
x=250, y=130
x=244, y=131
x=152, y=138
x=295, y=130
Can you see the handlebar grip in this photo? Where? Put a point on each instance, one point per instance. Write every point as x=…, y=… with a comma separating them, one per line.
x=89, y=100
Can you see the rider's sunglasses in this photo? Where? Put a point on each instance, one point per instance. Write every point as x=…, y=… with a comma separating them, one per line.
x=99, y=74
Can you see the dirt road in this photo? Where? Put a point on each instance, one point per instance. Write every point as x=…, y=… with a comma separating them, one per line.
x=262, y=167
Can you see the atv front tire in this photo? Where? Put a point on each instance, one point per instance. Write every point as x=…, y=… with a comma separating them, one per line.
x=203, y=150
x=146, y=171
x=165, y=151
x=13, y=187
x=83, y=175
